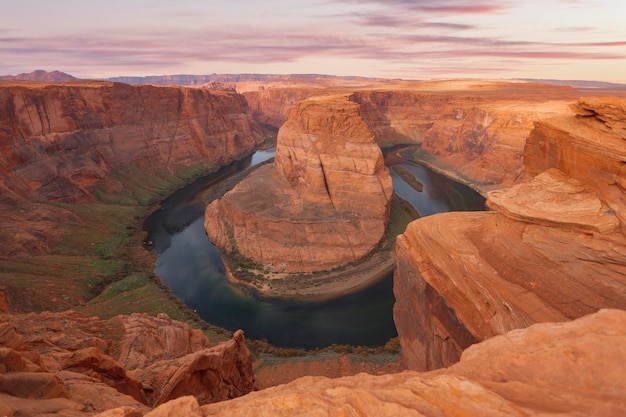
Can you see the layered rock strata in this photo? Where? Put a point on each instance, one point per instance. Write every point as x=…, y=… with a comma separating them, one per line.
x=562, y=369
x=323, y=203
x=59, y=141
x=474, y=129
x=80, y=142
x=552, y=249
x=590, y=147
x=72, y=364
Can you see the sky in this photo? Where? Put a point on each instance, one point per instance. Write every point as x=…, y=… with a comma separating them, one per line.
x=418, y=39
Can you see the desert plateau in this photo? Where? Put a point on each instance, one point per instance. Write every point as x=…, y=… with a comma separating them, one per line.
x=513, y=309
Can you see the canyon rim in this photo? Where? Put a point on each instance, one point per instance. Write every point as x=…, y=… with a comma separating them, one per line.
x=515, y=311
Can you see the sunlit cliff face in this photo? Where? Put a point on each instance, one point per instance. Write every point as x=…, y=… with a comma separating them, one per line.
x=324, y=203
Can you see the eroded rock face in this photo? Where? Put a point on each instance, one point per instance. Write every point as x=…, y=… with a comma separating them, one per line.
x=476, y=128
x=67, y=361
x=79, y=141
x=573, y=368
x=324, y=203
x=590, y=147
x=58, y=141
x=552, y=250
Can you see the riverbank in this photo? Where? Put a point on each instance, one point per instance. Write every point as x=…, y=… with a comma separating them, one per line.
x=325, y=285
x=416, y=155
x=320, y=285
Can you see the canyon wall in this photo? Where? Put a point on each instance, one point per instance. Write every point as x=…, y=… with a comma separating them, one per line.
x=474, y=130
x=324, y=203
x=87, y=142
x=552, y=249
x=60, y=141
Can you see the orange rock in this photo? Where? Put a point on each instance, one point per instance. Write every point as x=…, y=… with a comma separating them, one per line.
x=573, y=368
x=553, y=250
x=81, y=361
x=590, y=148
x=150, y=339
x=210, y=375
x=323, y=204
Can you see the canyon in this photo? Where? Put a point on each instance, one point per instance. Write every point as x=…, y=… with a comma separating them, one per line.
x=514, y=311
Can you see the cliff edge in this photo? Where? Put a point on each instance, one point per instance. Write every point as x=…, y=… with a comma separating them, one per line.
x=552, y=249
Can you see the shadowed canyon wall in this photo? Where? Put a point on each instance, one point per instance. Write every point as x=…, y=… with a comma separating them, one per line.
x=88, y=142
x=60, y=141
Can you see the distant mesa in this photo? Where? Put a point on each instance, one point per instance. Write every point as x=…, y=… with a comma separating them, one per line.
x=40, y=75
x=324, y=202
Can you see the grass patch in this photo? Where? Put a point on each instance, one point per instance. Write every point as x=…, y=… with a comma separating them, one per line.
x=144, y=186
x=133, y=294
x=402, y=213
x=131, y=282
x=55, y=282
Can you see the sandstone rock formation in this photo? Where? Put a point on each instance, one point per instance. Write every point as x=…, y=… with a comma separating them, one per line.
x=76, y=365
x=324, y=203
x=81, y=141
x=59, y=141
x=590, y=147
x=475, y=129
x=553, y=249
x=555, y=369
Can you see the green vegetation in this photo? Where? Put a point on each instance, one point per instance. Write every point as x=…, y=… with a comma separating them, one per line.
x=402, y=213
x=144, y=186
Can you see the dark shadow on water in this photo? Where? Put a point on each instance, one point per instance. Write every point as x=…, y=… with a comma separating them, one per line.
x=191, y=266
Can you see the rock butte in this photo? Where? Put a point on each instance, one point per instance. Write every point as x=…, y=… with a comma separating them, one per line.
x=324, y=202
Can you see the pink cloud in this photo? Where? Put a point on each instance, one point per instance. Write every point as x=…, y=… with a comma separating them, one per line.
x=441, y=6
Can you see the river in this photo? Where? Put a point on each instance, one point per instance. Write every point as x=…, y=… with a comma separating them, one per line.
x=191, y=266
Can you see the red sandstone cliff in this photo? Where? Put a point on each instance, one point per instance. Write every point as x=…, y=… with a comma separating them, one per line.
x=475, y=129
x=60, y=141
x=324, y=203
x=553, y=249
x=82, y=141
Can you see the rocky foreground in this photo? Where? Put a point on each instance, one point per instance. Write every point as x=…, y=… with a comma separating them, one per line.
x=69, y=364
x=552, y=249
x=158, y=367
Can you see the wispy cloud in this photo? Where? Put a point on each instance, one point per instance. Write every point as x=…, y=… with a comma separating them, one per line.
x=268, y=46
x=440, y=6
x=387, y=36
x=400, y=20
